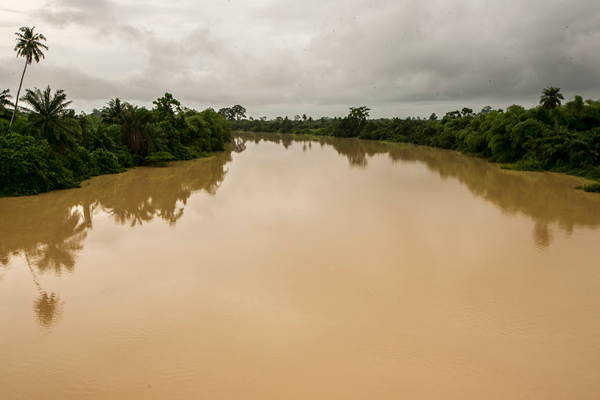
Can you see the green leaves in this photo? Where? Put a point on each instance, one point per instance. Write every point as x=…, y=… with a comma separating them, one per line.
x=26, y=167
x=29, y=44
x=50, y=117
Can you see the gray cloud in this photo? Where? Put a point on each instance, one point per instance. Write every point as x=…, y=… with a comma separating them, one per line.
x=286, y=57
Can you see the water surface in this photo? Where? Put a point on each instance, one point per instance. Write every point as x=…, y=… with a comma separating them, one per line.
x=290, y=267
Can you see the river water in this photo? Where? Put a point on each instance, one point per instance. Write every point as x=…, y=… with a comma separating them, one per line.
x=290, y=267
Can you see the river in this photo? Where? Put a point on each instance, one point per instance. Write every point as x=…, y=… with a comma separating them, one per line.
x=294, y=267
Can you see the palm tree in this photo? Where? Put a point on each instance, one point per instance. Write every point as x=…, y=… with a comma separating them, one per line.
x=50, y=116
x=550, y=99
x=4, y=98
x=112, y=113
x=133, y=126
x=28, y=46
x=4, y=101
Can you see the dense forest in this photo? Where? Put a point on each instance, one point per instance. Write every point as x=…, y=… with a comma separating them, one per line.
x=549, y=137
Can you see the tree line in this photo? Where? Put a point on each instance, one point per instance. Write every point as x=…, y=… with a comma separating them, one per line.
x=45, y=145
x=552, y=136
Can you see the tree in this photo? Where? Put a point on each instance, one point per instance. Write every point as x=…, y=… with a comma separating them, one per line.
x=133, y=127
x=4, y=102
x=50, y=117
x=4, y=98
x=227, y=113
x=550, y=100
x=165, y=108
x=486, y=110
x=112, y=113
x=239, y=112
x=28, y=46
x=359, y=113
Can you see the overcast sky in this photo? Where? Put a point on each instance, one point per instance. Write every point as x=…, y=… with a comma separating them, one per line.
x=319, y=57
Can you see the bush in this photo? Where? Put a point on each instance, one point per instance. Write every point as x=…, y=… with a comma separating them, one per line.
x=105, y=162
x=526, y=164
x=80, y=163
x=160, y=158
x=26, y=167
x=125, y=158
x=592, y=187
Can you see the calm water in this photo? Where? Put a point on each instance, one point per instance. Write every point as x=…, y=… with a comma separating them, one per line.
x=295, y=268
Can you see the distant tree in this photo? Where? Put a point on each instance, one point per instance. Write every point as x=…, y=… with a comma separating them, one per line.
x=29, y=47
x=297, y=118
x=433, y=117
x=486, y=110
x=466, y=111
x=227, y=113
x=50, y=117
x=166, y=108
x=112, y=113
x=304, y=118
x=359, y=113
x=453, y=114
x=239, y=112
x=550, y=100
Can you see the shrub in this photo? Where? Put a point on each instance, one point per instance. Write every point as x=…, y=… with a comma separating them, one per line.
x=160, y=158
x=592, y=187
x=105, y=162
x=26, y=167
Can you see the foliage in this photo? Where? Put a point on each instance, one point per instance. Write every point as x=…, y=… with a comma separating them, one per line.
x=50, y=117
x=26, y=167
x=105, y=162
x=160, y=159
x=592, y=187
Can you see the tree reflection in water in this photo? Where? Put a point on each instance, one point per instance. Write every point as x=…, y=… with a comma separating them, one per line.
x=48, y=230
x=548, y=199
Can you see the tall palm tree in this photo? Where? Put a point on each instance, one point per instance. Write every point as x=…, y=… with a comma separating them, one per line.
x=29, y=45
x=550, y=100
x=51, y=117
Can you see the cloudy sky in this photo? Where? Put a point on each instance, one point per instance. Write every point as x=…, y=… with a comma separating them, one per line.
x=319, y=57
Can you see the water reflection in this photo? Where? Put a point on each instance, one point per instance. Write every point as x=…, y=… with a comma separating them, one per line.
x=548, y=199
x=49, y=230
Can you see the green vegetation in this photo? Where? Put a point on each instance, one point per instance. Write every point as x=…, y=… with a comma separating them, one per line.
x=46, y=146
x=549, y=137
x=50, y=147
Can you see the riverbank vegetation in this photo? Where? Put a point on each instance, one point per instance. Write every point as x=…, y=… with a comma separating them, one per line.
x=550, y=137
x=49, y=146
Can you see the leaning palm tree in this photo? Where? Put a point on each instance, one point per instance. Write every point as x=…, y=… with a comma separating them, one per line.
x=50, y=117
x=550, y=100
x=29, y=45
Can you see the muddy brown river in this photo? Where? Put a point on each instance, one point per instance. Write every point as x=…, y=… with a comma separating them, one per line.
x=290, y=267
